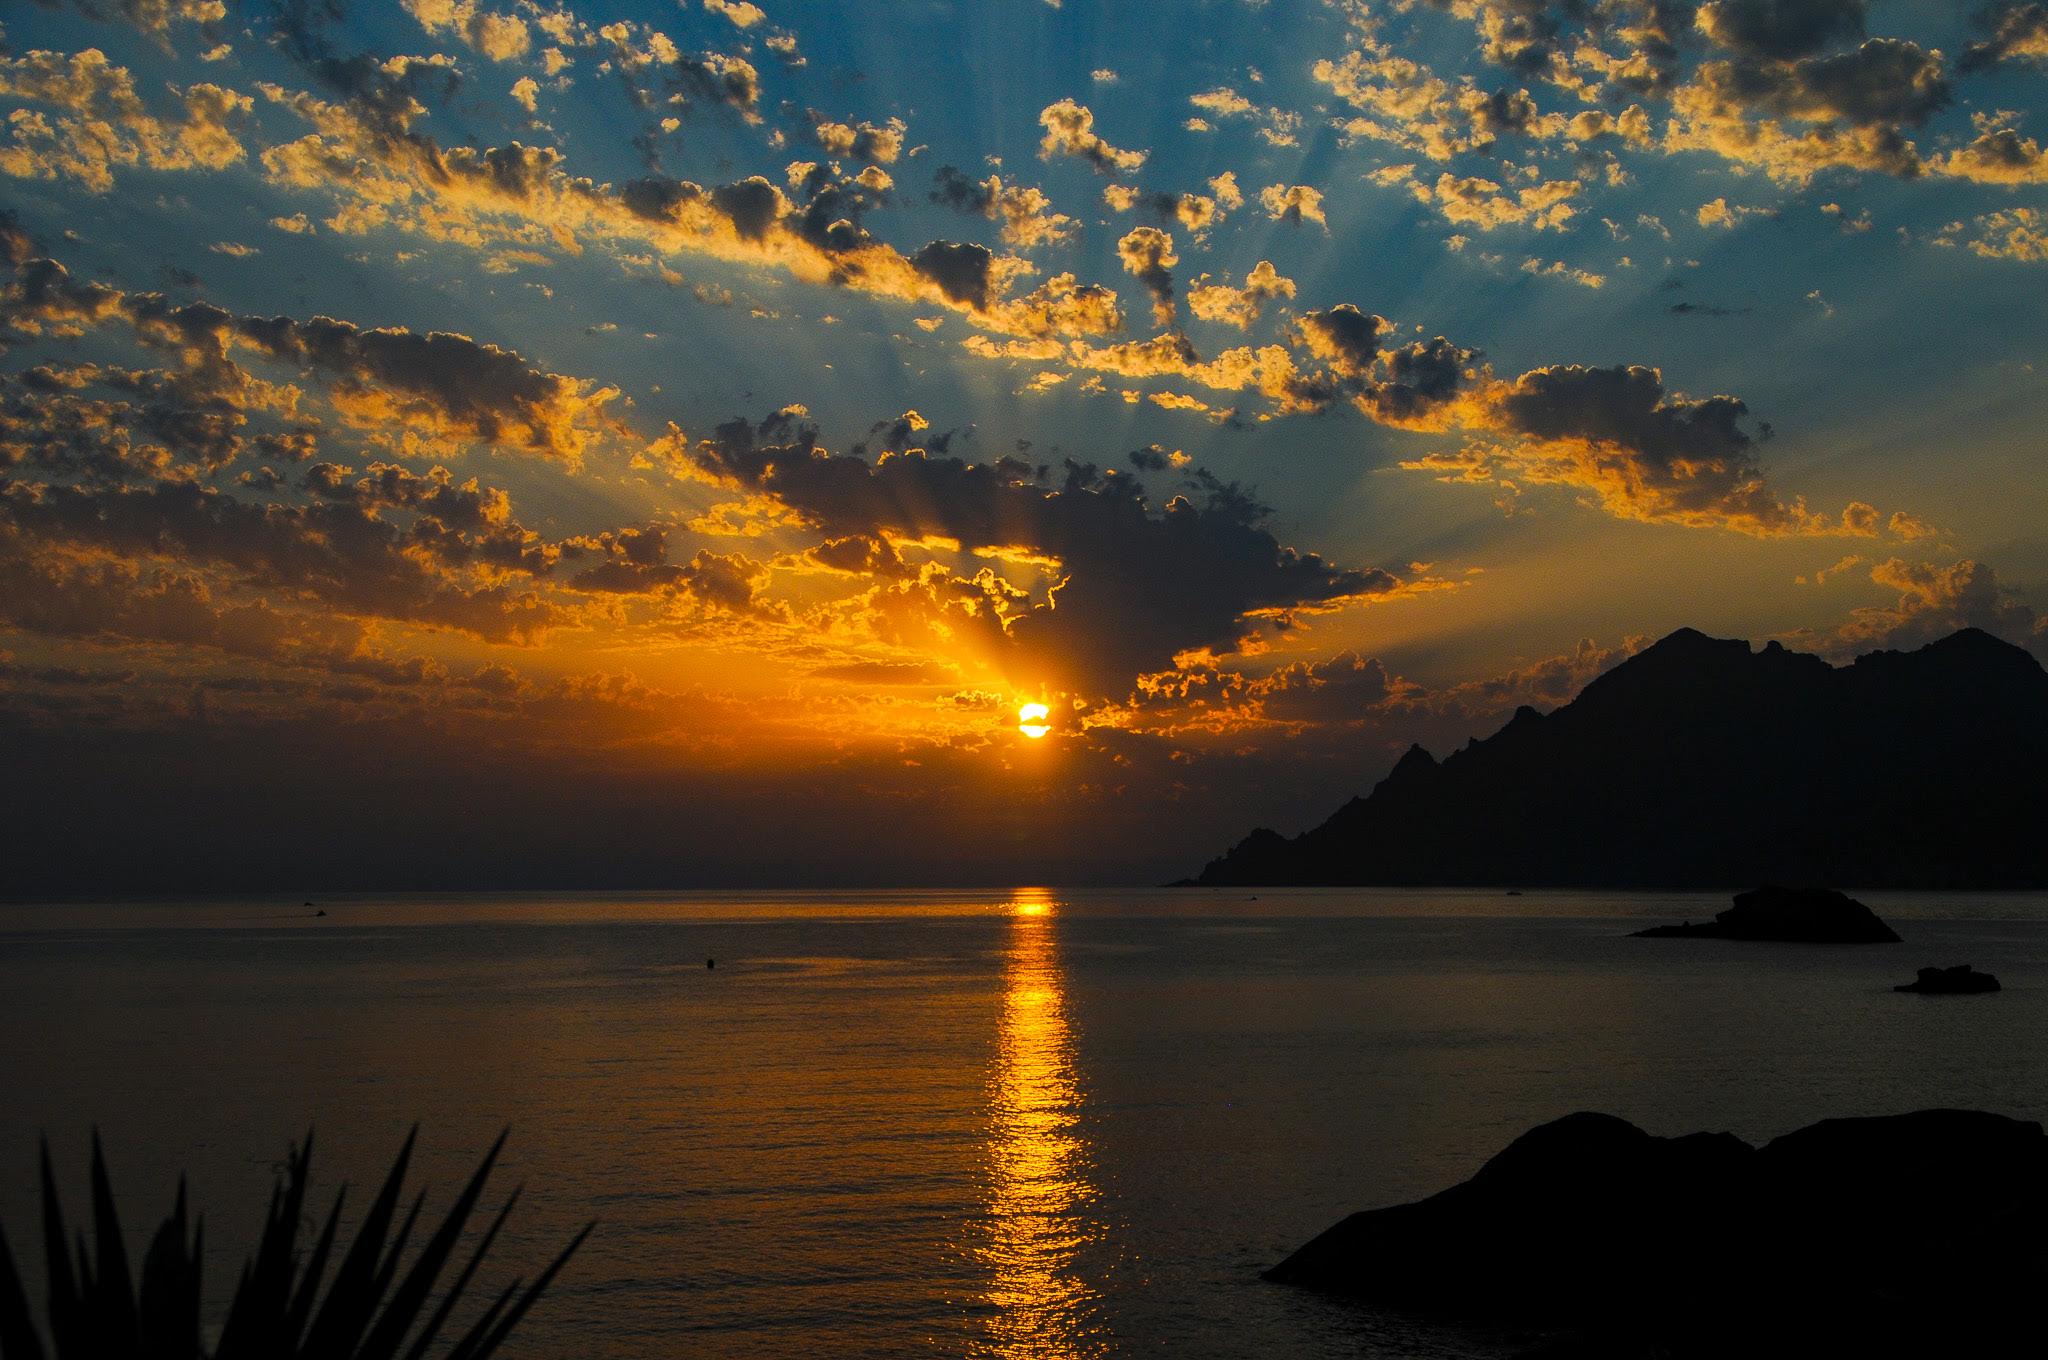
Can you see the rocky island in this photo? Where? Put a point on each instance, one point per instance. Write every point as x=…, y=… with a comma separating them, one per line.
x=1787, y=915
x=1961, y=980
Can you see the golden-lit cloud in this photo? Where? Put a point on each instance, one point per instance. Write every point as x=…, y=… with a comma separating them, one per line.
x=101, y=124
x=1070, y=131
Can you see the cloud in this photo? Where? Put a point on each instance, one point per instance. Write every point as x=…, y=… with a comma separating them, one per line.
x=1148, y=253
x=1474, y=201
x=154, y=17
x=879, y=143
x=338, y=554
x=103, y=125
x=501, y=37
x=1294, y=204
x=1780, y=29
x=1343, y=337
x=648, y=60
x=2018, y=33
x=1558, y=269
x=1855, y=106
x=389, y=378
x=1070, y=131
x=1933, y=601
x=1719, y=214
x=1131, y=588
x=1026, y=214
x=741, y=13
x=1997, y=155
x=1640, y=451
x=1239, y=307
x=2017, y=234
x=1196, y=212
x=1347, y=697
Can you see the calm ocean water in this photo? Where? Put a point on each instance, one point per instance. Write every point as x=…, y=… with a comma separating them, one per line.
x=1037, y=1123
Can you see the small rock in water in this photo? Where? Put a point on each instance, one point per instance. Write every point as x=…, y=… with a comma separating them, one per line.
x=711, y=963
x=1793, y=915
x=1961, y=980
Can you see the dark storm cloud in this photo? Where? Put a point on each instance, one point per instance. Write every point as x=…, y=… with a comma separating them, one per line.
x=49, y=422
x=953, y=189
x=1626, y=406
x=2019, y=32
x=631, y=561
x=651, y=68
x=859, y=555
x=1781, y=29
x=119, y=601
x=1421, y=377
x=1653, y=29
x=1136, y=587
x=1523, y=35
x=833, y=205
x=1342, y=688
x=1345, y=338
x=16, y=246
x=718, y=79
x=1404, y=385
x=340, y=555
x=383, y=94
x=153, y=17
x=1641, y=450
x=469, y=506
x=961, y=269
x=635, y=561
x=1884, y=81
x=753, y=204
x=1148, y=254
x=465, y=386
x=1504, y=113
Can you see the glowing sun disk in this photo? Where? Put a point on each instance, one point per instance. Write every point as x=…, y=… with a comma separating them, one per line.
x=1031, y=720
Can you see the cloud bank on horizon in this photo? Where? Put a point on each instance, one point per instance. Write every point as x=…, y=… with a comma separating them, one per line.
x=749, y=406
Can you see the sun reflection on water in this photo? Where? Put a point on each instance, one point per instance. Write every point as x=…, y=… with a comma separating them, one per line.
x=1039, y=1192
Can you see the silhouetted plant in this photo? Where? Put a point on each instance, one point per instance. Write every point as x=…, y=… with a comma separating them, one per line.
x=97, y=1311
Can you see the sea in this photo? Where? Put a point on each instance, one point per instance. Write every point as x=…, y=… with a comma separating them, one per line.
x=1030, y=1122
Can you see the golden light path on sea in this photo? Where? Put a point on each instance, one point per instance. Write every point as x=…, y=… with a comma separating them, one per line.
x=1039, y=1191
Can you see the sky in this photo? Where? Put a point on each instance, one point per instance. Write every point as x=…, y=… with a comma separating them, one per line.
x=515, y=443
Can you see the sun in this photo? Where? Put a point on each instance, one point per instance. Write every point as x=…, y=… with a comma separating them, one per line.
x=1031, y=720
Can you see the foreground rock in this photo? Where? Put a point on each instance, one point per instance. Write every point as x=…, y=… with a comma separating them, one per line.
x=1792, y=915
x=1881, y=1234
x=1961, y=980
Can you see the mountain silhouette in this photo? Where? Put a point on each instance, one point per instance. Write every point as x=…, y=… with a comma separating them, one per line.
x=1700, y=762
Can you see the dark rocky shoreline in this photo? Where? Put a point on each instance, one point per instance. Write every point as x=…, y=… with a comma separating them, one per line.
x=1907, y=1234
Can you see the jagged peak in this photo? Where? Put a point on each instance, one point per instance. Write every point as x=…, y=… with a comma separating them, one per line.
x=1413, y=759
x=1691, y=641
x=1978, y=641
x=1965, y=645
